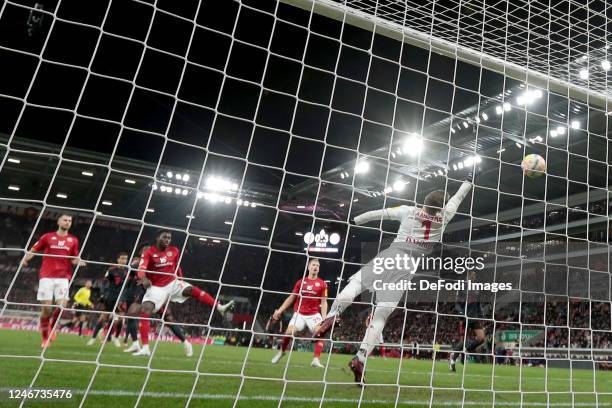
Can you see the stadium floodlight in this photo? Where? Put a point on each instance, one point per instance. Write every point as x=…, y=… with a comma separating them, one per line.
x=179, y=176
x=605, y=65
x=239, y=201
x=185, y=192
x=253, y=205
x=177, y=190
x=455, y=167
x=169, y=174
x=264, y=228
x=477, y=158
x=61, y=195
x=584, y=74
x=186, y=177
x=507, y=107
x=465, y=125
x=107, y=202
x=14, y=188
x=398, y=185
x=575, y=124
x=469, y=161
x=130, y=181
x=388, y=189
x=87, y=173
x=299, y=234
x=362, y=167
x=220, y=184
x=485, y=117
x=151, y=210
x=560, y=130
x=413, y=146
x=13, y=160
x=203, y=239
x=200, y=194
x=499, y=109
x=528, y=97
x=553, y=133
x=227, y=222
x=460, y=165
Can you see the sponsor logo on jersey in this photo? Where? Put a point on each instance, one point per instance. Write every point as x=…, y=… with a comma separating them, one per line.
x=69, y=239
x=61, y=243
x=169, y=254
x=317, y=284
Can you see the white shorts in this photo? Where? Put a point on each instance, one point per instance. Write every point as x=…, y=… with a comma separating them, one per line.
x=53, y=288
x=301, y=321
x=160, y=295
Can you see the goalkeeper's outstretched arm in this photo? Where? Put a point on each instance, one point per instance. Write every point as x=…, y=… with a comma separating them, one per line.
x=393, y=213
x=450, y=209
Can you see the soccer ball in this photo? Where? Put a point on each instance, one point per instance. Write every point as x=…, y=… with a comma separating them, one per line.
x=533, y=165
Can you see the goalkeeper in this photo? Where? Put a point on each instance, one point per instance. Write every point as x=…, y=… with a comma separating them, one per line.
x=420, y=229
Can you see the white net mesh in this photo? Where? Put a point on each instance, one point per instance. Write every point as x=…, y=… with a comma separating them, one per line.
x=255, y=131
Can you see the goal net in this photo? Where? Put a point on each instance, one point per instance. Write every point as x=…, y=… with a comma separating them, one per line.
x=255, y=131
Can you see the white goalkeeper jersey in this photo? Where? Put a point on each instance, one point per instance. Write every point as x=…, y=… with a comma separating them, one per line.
x=418, y=229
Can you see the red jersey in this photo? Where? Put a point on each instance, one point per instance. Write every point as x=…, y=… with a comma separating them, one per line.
x=311, y=292
x=165, y=261
x=53, y=244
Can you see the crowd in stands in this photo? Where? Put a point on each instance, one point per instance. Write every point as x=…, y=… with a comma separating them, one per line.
x=570, y=322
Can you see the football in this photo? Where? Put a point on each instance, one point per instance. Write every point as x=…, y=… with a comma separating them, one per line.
x=533, y=165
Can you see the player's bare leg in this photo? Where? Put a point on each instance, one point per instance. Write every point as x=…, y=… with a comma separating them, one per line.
x=205, y=298
x=287, y=340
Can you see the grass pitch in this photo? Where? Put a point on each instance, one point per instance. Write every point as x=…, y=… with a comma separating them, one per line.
x=105, y=377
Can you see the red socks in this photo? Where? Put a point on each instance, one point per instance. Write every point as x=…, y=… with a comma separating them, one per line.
x=54, y=316
x=285, y=344
x=145, y=326
x=318, y=348
x=382, y=351
x=44, y=328
x=203, y=297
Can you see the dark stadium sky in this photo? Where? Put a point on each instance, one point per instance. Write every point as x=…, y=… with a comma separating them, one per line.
x=334, y=106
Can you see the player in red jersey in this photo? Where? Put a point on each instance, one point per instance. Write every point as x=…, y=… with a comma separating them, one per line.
x=55, y=271
x=309, y=310
x=160, y=275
